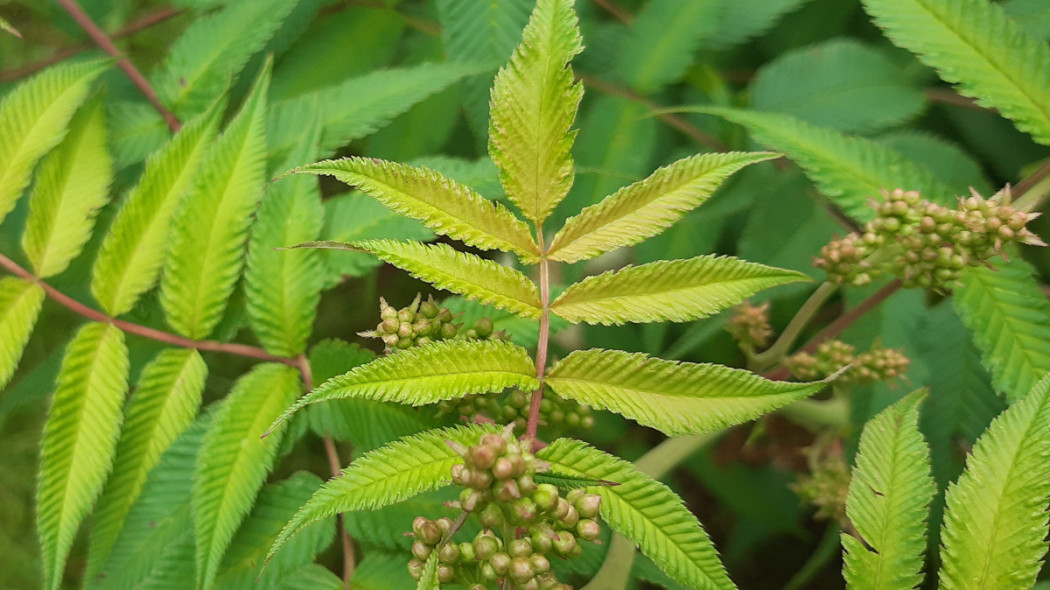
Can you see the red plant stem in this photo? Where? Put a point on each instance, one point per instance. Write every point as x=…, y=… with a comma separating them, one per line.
x=131, y=28
x=839, y=325
x=99, y=37
x=544, y=337
x=617, y=11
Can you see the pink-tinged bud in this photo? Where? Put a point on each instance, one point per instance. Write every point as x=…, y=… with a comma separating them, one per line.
x=588, y=529
x=520, y=547
x=564, y=543
x=460, y=474
x=500, y=563
x=444, y=524
x=415, y=569
x=469, y=500
x=429, y=533
x=503, y=468
x=539, y=563
x=518, y=464
x=521, y=569
x=483, y=456
x=543, y=540
x=507, y=491
x=482, y=480
x=417, y=525
x=589, y=505
x=446, y=573
x=525, y=510
x=491, y=516
x=448, y=553
x=485, y=547
x=526, y=484
x=571, y=518
x=421, y=550
x=562, y=509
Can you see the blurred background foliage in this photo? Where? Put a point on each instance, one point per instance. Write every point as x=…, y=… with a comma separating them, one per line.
x=408, y=80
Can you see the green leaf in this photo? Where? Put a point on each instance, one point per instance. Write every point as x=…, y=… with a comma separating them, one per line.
x=534, y=101
x=974, y=44
x=888, y=501
x=660, y=44
x=234, y=461
x=381, y=571
x=313, y=577
x=1010, y=318
x=360, y=106
x=214, y=48
x=995, y=523
x=668, y=290
x=163, y=406
x=390, y=474
x=72, y=185
x=648, y=206
x=133, y=250
x=20, y=303
x=205, y=254
x=277, y=503
x=283, y=288
x=443, y=205
x=157, y=536
x=80, y=438
x=571, y=482
x=429, y=374
x=384, y=528
x=675, y=398
x=446, y=268
x=6, y=26
x=33, y=120
x=839, y=84
x=645, y=511
x=429, y=579
x=741, y=20
x=849, y=170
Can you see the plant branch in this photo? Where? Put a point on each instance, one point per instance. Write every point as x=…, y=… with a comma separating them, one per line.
x=99, y=37
x=1030, y=192
x=154, y=18
x=948, y=96
x=676, y=121
x=544, y=337
x=336, y=465
x=836, y=327
x=619, y=12
x=140, y=330
x=805, y=314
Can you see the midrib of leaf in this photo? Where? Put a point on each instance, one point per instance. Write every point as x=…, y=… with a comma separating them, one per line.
x=885, y=533
x=1004, y=71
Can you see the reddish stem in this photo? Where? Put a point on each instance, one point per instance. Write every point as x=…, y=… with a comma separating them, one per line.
x=99, y=37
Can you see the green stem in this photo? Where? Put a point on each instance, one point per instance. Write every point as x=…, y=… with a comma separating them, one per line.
x=544, y=337
x=805, y=314
x=826, y=550
x=817, y=414
x=1032, y=195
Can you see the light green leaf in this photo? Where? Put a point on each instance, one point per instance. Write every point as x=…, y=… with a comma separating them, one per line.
x=20, y=303
x=668, y=290
x=1010, y=319
x=660, y=45
x=157, y=538
x=164, y=404
x=675, y=398
x=205, y=253
x=390, y=474
x=974, y=44
x=283, y=288
x=133, y=250
x=534, y=102
x=213, y=49
x=234, y=461
x=645, y=511
x=446, y=268
x=360, y=106
x=840, y=84
x=429, y=579
x=72, y=185
x=277, y=503
x=995, y=522
x=849, y=170
x=647, y=207
x=80, y=438
x=33, y=119
x=6, y=26
x=443, y=205
x=428, y=374
x=888, y=501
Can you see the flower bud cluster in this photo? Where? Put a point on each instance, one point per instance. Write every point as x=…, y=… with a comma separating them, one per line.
x=423, y=322
x=554, y=411
x=749, y=325
x=932, y=243
x=826, y=487
x=878, y=364
x=525, y=524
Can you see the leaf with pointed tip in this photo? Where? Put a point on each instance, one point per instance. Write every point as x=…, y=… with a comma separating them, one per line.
x=71, y=187
x=6, y=26
x=995, y=520
x=1009, y=317
x=80, y=439
x=33, y=119
x=446, y=268
x=647, y=207
x=283, y=288
x=20, y=303
x=850, y=170
x=675, y=398
x=888, y=501
x=164, y=404
x=973, y=43
x=234, y=461
x=659, y=45
x=133, y=249
x=209, y=229
x=428, y=580
x=668, y=290
x=533, y=105
x=571, y=482
x=645, y=511
x=428, y=374
x=390, y=474
x=440, y=203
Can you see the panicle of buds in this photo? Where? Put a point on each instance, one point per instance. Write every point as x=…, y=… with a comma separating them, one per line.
x=423, y=322
x=750, y=326
x=831, y=357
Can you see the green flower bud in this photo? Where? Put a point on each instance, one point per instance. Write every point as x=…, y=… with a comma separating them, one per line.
x=428, y=309
x=421, y=550
x=415, y=568
x=589, y=505
x=521, y=569
x=520, y=547
x=539, y=563
x=445, y=573
x=500, y=563
x=485, y=546
x=588, y=529
x=546, y=497
x=466, y=552
x=487, y=572
x=483, y=327
x=448, y=553
x=448, y=331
